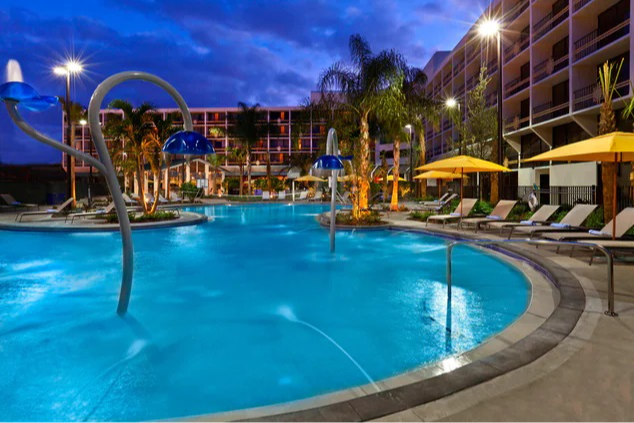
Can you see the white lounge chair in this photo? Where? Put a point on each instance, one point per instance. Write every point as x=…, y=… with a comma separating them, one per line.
x=467, y=206
x=266, y=195
x=345, y=198
x=624, y=221
x=500, y=212
x=572, y=221
x=317, y=197
x=162, y=200
x=10, y=201
x=541, y=216
x=54, y=211
x=439, y=206
x=435, y=202
x=108, y=209
x=303, y=195
x=281, y=195
x=129, y=201
x=174, y=198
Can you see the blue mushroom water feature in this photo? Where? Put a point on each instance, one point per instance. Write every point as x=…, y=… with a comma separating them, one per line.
x=16, y=94
x=331, y=163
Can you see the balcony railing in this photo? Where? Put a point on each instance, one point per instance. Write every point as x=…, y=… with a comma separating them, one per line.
x=548, y=67
x=548, y=111
x=517, y=10
x=579, y=4
x=516, y=48
x=515, y=86
x=492, y=67
x=457, y=68
x=515, y=123
x=471, y=82
x=592, y=42
x=472, y=54
x=446, y=125
x=459, y=92
x=446, y=79
x=591, y=95
x=491, y=99
x=549, y=22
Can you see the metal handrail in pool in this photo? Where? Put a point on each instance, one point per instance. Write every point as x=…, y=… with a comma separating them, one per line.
x=608, y=255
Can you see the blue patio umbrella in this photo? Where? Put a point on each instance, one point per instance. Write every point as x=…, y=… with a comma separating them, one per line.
x=26, y=96
x=188, y=143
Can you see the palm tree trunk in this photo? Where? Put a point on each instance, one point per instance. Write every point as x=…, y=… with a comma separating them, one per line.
x=241, y=166
x=140, y=177
x=249, y=191
x=423, y=152
x=396, y=173
x=364, y=164
x=268, y=171
x=71, y=171
x=157, y=191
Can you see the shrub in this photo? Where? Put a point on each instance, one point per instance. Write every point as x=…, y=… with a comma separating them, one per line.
x=368, y=219
x=420, y=215
x=157, y=216
x=189, y=190
x=482, y=207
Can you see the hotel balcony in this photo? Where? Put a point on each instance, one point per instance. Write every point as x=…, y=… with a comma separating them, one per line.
x=472, y=82
x=592, y=42
x=459, y=92
x=548, y=67
x=492, y=67
x=446, y=125
x=472, y=54
x=458, y=67
x=591, y=96
x=548, y=111
x=491, y=99
x=446, y=80
x=516, y=123
x=515, y=86
x=516, y=48
x=517, y=11
x=578, y=4
x=549, y=22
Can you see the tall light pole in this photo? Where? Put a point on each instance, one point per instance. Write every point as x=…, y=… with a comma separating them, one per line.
x=492, y=28
x=411, y=157
x=67, y=70
x=451, y=104
x=83, y=123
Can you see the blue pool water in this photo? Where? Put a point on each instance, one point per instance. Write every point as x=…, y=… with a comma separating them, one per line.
x=240, y=312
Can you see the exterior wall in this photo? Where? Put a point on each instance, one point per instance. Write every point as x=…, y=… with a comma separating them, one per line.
x=574, y=174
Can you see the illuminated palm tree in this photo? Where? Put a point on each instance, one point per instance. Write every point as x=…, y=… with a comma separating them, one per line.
x=361, y=85
x=248, y=132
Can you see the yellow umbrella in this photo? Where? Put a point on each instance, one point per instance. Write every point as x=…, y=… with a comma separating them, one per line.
x=439, y=175
x=346, y=178
x=615, y=147
x=390, y=178
x=462, y=165
x=309, y=178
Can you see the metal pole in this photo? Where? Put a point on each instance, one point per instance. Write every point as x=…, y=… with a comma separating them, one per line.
x=111, y=176
x=69, y=181
x=608, y=255
x=411, y=157
x=500, y=128
x=333, y=209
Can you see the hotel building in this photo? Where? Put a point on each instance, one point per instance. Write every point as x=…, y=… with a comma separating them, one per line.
x=288, y=132
x=552, y=51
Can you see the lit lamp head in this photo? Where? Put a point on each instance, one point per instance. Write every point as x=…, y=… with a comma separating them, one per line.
x=489, y=28
x=26, y=96
x=188, y=143
x=451, y=103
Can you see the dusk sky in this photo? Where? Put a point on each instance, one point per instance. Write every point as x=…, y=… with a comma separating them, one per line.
x=215, y=53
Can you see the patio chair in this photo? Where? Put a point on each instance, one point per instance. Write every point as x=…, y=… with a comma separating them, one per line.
x=318, y=196
x=345, y=198
x=281, y=195
x=163, y=200
x=572, y=221
x=108, y=209
x=10, y=201
x=614, y=246
x=467, y=206
x=303, y=195
x=541, y=216
x=624, y=221
x=435, y=202
x=440, y=205
x=129, y=201
x=266, y=195
x=52, y=212
x=500, y=212
x=174, y=198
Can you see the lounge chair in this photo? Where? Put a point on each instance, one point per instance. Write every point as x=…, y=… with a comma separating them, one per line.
x=317, y=197
x=572, y=221
x=345, y=198
x=108, y=209
x=500, y=212
x=541, y=216
x=54, y=211
x=624, y=221
x=303, y=195
x=129, y=201
x=435, y=202
x=441, y=205
x=174, y=198
x=281, y=195
x=162, y=200
x=614, y=246
x=266, y=195
x=10, y=201
x=467, y=205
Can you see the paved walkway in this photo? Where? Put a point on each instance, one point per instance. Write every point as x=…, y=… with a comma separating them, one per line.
x=588, y=377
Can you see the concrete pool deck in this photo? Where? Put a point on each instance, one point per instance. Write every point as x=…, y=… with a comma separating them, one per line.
x=589, y=376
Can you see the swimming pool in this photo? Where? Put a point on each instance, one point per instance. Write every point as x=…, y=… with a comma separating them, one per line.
x=247, y=310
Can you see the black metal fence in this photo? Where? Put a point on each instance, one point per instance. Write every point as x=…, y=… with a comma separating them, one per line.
x=592, y=194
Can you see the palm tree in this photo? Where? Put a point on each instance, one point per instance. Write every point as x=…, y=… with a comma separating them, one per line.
x=132, y=129
x=239, y=154
x=77, y=113
x=215, y=161
x=248, y=132
x=361, y=84
x=608, y=78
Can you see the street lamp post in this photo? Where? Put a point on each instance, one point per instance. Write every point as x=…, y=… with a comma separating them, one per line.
x=67, y=70
x=452, y=103
x=492, y=28
x=83, y=124
x=411, y=157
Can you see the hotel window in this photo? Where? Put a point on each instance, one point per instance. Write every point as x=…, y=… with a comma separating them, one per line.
x=283, y=129
x=611, y=18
